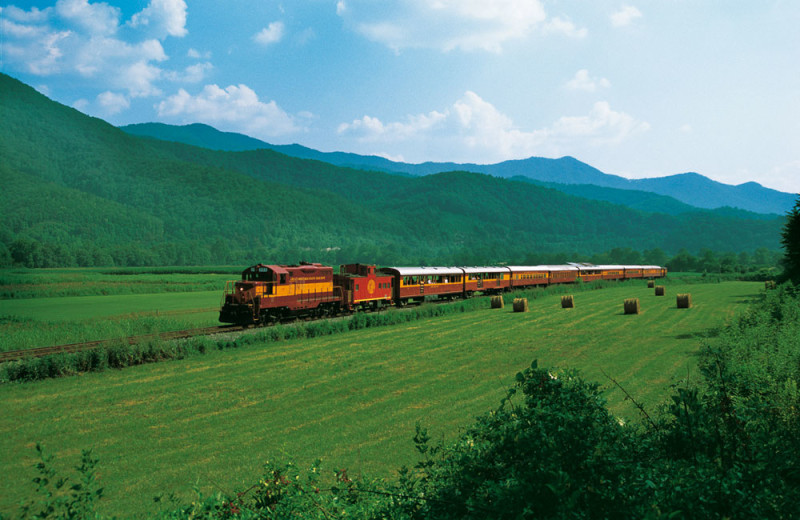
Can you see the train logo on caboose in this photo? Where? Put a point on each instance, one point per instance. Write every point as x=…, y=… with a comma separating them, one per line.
x=371, y=286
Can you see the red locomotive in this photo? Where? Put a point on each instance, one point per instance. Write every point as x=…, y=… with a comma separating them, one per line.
x=270, y=293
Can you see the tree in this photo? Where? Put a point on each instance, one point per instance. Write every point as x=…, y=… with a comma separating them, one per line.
x=790, y=238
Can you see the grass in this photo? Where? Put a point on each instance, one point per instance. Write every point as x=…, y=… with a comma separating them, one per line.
x=41, y=322
x=17, y=283
x=352, y=399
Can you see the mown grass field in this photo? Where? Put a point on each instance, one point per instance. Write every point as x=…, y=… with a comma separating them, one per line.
x=352, y=399
x=58, y=306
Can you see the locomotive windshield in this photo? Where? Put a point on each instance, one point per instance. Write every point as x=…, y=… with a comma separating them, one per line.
x=257, y=274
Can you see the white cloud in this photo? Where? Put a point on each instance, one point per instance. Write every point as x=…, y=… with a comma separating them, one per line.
x=372, y=129
x=112, y=102
x=235, y=108
x=625, y=16
x=35, y=15
x=79, y=37
x=473, y=128
x=270, y=34
x=163, y=18
x=582, y=81
x=601, y=127
x=105, y=104
x=99, y=19
x=195, y=54
x=565, y=27
x=449, y=24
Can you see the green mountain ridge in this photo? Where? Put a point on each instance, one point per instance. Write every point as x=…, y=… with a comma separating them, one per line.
x=81, y=192
x=690, y=189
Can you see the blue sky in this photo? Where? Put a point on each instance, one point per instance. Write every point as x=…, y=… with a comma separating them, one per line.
x=634, y=88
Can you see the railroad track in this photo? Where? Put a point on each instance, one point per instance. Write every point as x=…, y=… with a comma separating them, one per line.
x=13, y=355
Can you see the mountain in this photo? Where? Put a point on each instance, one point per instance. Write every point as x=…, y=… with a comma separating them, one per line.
x=79, y=191
x=689, y=188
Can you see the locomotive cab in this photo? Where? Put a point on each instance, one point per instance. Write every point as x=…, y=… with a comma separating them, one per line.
x=269, y=293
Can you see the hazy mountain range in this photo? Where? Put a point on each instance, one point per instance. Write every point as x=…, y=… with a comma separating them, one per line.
x=691, y=189
x=79, y=191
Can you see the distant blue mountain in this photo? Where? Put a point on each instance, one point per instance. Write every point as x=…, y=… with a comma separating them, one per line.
x=563, y=174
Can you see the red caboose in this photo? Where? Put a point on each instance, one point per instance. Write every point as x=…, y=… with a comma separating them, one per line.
x=272, y=292
x=362, y=287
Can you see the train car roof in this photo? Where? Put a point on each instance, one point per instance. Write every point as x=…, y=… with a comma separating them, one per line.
x=604, y=267
x=607, y=267
x=521, y=268
x=424, y=271
x=471, y=270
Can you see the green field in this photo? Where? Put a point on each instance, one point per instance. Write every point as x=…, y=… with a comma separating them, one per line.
x=352, y=399
x=58, y=306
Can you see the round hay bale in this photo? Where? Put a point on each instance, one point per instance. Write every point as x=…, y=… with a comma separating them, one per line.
x=567, y=302
x=660, y=290
x=631, y=306
x=520, y=305
x=684, y=301
x=497, y=302
x=651, y=284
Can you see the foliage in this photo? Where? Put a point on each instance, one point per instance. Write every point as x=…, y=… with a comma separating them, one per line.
x=79, y=192
x=726, y=447
x=70, y=497
x=790, y=238
x=551, y=450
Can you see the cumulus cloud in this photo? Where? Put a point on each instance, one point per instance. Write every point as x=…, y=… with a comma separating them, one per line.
x=194, y=53
x=273, y=33
x=163, y=18
x=582, y=81
x=450, y=24
x=105, y=104
x=99, y=19
x=113, y=102
x=372, y=129
x=625, y=16
x=79, y=37
x=601, y=126
x=473, y=127
x=234, y=108
x=565, y=27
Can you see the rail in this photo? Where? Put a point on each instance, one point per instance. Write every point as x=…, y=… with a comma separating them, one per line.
x=13, y=355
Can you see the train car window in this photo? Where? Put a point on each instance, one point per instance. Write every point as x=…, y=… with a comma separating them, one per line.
x=356, y=287
x=283, y=278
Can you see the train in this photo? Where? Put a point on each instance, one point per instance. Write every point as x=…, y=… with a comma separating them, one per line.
x=271, y=293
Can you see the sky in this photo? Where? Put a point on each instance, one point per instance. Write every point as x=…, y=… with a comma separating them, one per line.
x=633, y=88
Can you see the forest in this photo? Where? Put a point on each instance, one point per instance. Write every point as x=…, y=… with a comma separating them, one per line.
x=80, y=192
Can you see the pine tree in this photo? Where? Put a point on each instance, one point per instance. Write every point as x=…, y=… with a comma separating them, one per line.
x=790, y=238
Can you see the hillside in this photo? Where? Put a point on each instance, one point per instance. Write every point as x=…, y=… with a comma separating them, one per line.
x=691, y=189
x=82, y=192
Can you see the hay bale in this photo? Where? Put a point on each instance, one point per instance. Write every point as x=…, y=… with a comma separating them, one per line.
x=567, y=302
x=520, y=305
x=651, y=284
x=631, y=306
x=660, y=291
x=497, y=302
x=684, y=301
